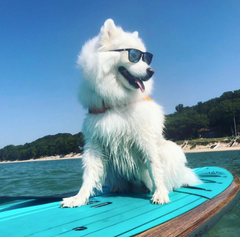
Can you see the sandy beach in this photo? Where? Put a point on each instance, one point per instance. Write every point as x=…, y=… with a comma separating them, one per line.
x=219, y=147
x=57, y=157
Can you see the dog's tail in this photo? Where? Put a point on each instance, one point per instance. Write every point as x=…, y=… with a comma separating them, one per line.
x=190, y=178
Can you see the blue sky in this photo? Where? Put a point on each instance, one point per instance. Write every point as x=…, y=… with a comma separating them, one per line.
x=196, y=48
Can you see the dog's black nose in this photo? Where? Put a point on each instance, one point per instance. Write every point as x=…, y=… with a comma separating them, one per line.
x=150, y=72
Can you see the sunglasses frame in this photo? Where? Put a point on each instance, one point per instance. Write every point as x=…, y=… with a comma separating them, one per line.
x=142, y=55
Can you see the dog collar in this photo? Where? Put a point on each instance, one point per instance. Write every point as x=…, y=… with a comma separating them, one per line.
x=105, y=107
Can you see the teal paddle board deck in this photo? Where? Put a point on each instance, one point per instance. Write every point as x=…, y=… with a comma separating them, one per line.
x=191, y=212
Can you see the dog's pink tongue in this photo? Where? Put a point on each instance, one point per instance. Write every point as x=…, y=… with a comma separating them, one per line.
x=141, y=86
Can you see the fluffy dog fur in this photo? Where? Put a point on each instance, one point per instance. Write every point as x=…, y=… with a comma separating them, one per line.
x=125, y=147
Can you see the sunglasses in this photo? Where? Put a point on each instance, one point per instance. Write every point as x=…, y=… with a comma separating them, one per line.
x=134, y=55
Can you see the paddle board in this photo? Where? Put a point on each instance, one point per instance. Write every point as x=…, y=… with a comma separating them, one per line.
x=192, y=211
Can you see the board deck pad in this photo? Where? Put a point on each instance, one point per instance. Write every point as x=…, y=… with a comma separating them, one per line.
x=109, y=214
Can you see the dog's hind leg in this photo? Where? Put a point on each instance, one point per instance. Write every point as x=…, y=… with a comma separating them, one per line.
x=93, y=176
x=177, y=173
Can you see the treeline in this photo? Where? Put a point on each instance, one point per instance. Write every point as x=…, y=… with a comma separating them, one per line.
x=62, y=143
x=220, y=115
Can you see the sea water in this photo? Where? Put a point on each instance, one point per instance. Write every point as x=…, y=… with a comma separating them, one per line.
x=61, y=176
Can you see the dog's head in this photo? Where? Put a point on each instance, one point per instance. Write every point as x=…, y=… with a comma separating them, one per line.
x=115, y=68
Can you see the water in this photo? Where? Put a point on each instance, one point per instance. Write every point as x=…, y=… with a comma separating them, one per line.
x=40, y=178
x=229, y=225
x=61, y=176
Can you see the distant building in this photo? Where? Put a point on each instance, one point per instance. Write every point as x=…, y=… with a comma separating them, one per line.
x=207, y=132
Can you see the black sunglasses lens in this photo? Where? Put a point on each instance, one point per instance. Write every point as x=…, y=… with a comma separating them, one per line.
x=134, y=55
x=147, y=58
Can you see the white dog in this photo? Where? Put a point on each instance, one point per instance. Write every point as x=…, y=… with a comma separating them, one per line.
x=124, y=146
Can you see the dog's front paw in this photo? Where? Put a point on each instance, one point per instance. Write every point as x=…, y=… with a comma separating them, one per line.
x=160, y=198
x=74, y=201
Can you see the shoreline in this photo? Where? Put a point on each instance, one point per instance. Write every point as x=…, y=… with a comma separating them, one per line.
x=220, y=146
x=206, y=149
x=186, y=149
x=46, y=158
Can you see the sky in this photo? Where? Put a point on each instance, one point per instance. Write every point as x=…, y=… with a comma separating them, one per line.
x=196, y=48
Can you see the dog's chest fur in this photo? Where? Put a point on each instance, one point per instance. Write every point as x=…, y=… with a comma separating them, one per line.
x=122, y=157
x=115, y=134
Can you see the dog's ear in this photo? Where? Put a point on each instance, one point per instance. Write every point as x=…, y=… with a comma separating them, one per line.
x=108, y=32
x=108, y=29
x=135, y=33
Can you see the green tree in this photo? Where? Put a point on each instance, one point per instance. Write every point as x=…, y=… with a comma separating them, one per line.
x=179, y=108
x=223, y=115
x=185, y=125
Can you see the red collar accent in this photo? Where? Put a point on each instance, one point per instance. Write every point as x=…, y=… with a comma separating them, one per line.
x=105, y=107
